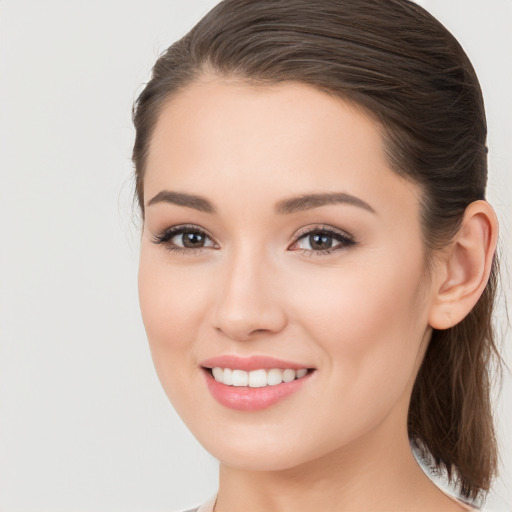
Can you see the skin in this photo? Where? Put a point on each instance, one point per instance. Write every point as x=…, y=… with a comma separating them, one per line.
x=361, y=315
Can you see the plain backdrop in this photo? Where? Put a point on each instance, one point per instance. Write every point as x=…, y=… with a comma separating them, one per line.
x=84, y=424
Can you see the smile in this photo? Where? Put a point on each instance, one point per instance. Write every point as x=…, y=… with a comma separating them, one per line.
x=257, y=378
x=254, y=383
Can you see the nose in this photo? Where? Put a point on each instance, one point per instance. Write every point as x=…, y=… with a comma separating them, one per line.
x=250, y=302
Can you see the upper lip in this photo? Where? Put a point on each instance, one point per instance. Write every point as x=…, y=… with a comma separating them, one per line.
x=250, y=363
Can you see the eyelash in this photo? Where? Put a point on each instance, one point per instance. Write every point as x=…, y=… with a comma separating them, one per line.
x=345, y=239
x=165, y=237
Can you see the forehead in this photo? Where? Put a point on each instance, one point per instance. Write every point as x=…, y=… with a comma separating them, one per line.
x=281, y=139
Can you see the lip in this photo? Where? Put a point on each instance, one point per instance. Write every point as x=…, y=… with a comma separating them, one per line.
x=250, y=363
x=247, y=398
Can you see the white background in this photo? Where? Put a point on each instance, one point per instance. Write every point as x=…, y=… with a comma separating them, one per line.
x=84, y=425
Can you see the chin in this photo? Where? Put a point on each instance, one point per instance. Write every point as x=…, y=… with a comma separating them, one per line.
x=257, y=460
x=260, y=452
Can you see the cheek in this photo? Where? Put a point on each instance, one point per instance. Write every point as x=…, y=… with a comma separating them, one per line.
x=369, y=319
x=171, y=305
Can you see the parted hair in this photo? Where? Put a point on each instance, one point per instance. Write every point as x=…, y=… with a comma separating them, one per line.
x=395, y=61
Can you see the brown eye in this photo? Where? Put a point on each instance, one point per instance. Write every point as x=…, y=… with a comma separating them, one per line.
x=184, y=238
x=319, y=241
x=323, y=241
x=192, y=239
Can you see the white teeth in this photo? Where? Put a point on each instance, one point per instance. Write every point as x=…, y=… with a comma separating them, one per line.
x=289, y=375
x=256, y=378
x=227, y=377
x=240, y=378
x=274, y=377
x=218, y=374
x=301, y=373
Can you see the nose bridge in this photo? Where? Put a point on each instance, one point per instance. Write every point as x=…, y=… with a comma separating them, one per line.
x=248, y=301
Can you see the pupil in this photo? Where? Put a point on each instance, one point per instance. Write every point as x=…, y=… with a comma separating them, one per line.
x=193, y=240
x=319, y=241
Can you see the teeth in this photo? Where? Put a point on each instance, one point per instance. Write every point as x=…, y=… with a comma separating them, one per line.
x=274, y=377
x=289, y=375
x=218, y=374
x=227, y=376
x=240, y=378
x=301, y=373
x=256, y=378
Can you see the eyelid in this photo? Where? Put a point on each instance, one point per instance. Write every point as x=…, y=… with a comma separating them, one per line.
x=313, y=228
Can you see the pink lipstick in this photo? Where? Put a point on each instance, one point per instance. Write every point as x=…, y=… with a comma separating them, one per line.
x=254, y=383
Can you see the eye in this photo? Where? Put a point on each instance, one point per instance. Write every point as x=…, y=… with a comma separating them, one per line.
x=184, y=239
x=324, y=240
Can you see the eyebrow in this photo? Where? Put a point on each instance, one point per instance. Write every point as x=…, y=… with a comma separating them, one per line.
x=283, y=207
x=309, y=201
x=182, y=199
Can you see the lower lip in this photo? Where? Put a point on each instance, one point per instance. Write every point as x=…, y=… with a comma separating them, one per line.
x=252, y=399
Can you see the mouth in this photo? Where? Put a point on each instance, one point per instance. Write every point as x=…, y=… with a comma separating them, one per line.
x=255, y=383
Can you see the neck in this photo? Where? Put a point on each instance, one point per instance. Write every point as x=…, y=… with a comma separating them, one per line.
x=376, y=472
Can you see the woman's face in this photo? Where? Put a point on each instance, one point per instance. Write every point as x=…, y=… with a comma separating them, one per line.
x=276, y=237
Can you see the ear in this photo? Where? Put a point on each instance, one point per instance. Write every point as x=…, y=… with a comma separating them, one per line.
x=464, y=268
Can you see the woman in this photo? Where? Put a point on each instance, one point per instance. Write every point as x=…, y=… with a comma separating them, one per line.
x=317, y=270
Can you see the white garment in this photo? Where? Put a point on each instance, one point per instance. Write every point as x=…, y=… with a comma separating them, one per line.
x=208, y=506
x=439, y=477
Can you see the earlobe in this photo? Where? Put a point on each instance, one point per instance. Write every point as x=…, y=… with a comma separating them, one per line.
x=464, y=269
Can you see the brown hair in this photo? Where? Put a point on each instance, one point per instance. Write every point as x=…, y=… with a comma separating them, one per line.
x=398, y=63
